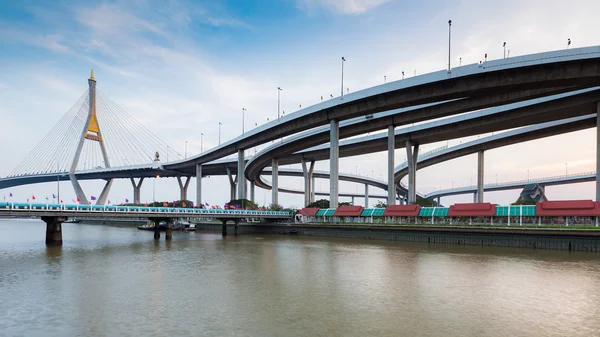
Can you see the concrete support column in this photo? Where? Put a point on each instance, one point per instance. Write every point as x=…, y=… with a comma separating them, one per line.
x=412, y=153
x=183, y=186
x=156, y=229
x=104, y=194
x=598, y=152
x=275, y=181
x=232, y=182
x=312, y=189
x=169, y=230
x=199, y=185
x=391, y=147
x=475, y=197
x=308, y=175
x=236, y=228
x=334, y=159
x=241, y=164
x=438, y=201
x=366, y=195
x=224, y=228
x=137, y=190
x=53, y=230
x=480, y=176
x=252, y=198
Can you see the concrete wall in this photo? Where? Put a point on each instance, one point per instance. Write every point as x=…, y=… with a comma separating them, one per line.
x=536, y=239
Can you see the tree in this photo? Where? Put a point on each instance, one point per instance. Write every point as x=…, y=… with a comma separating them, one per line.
x=524, y=202
x=345, y=203
x=322, y=203
x=380, y=204
x=243, y=203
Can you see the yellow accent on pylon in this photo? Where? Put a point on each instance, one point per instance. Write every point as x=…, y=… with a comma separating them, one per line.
x=92, y=75
x=93, y=126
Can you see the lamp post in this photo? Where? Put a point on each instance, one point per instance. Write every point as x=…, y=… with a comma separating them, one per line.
x=504, y=45
x=186, y=149
x=449, y=39
x=343, y=60
x=568, y=43
x=566, y=170
x=278, y=100
x=243, y=113
x=220, y=133
x=384, y=80
x=496, y=178
x=201, y=134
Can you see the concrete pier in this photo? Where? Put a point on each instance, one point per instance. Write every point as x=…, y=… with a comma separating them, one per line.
x=366, y=195
x=598, y=151
x=137, y=189
x=334, y=161
x=199, y=184
x=224, y=228
x=391, y=184
x=275, y=181
x=412, y=154
x=232, y=183
x=480, y=176
x=156, y=229
x=241, y=165
x=308, y=178
x=169, y=231
x=54, y=230
x=183, y=186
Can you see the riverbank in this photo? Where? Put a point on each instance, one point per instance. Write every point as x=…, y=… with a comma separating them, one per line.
x=535, y=238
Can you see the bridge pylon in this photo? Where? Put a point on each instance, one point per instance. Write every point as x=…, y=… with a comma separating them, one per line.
x=90, y=132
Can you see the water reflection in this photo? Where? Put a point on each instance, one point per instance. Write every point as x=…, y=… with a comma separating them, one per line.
x=120, y=281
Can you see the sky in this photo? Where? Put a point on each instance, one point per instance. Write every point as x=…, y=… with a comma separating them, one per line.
x=181, y=67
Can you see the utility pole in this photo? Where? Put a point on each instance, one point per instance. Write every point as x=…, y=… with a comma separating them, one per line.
x=449, y=40
x=343, y=60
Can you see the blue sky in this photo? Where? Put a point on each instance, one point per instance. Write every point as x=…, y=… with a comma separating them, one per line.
x=180, y=67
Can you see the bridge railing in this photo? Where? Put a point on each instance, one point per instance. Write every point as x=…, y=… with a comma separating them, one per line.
x=134, y=209
x=523, y=181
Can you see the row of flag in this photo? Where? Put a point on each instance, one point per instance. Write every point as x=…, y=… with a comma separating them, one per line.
x=165, y=204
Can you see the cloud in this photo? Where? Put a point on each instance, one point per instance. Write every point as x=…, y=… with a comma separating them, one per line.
x=352, y=7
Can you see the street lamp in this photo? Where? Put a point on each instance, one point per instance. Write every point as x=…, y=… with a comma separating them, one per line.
x=568, y=43
x=449, y=36
x=186, y=149
x=201, y=134
x=384, y=80
x=243, y=112
x=496, y=178
x=343, y=60
x=504, y=45
x=278, y=100
x=220, y=133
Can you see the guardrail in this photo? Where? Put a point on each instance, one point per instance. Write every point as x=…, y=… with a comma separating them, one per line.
x=133, y=210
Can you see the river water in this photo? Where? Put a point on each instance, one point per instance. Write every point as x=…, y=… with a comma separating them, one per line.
x=118, y=281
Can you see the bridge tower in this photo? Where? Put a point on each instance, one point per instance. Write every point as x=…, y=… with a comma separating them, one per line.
x=91, y=132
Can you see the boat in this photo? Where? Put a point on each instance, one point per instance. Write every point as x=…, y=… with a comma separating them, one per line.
x=149, y=226
x=190, y=228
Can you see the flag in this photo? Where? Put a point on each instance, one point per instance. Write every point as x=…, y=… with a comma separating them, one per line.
x=10, y=195
x=61, y=201
x=33, y=197
x=126, y=200
x=53, y=196
x=93, y=197
x=78, y=200
x=165, y=205
x=146, y=204
x=27, y=199
x=183, y=204
x=207, y=204
x=46, y=198
x=109, y=201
